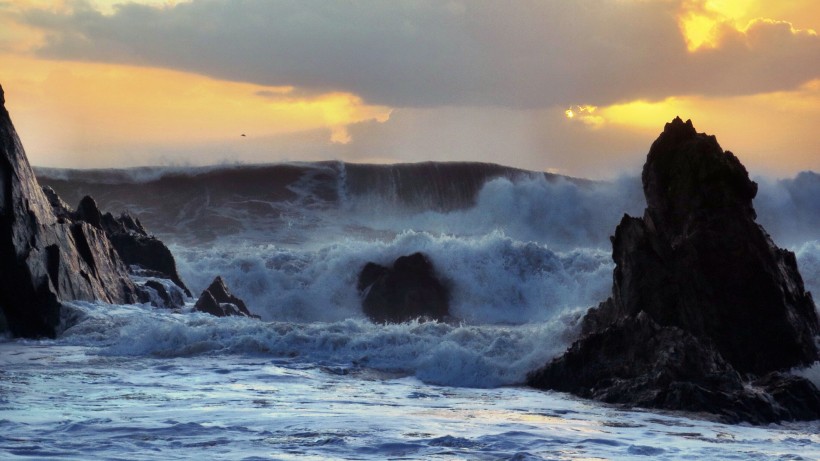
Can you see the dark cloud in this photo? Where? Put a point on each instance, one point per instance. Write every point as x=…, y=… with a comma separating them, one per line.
x=526, y=54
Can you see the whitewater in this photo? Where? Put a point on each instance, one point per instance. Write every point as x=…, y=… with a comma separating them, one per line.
x=524, y=254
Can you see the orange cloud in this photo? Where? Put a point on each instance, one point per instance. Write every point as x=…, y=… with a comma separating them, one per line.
x=773, y=131
x=705, y=23
x=83, y=114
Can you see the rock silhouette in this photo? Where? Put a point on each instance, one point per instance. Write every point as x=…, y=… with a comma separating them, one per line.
x=704, y=304
x=137, y=248
x=46, y=257
x=219, y=301
x=406, y=291
x=144, y=255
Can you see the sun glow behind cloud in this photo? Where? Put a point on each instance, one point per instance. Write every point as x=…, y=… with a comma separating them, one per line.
x=704, y=23
x=585, y=114
x=461, y=83
x=86, y=108
x=754, y=119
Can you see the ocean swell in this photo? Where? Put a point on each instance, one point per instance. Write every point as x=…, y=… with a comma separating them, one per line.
x=437, y=353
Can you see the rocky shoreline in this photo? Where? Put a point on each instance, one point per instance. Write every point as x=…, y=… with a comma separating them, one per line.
x=707, y=314
x=50, y=253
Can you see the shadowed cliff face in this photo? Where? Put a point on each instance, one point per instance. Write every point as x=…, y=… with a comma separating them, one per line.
x=698, y=261
x=700, y=278
x=45, y=258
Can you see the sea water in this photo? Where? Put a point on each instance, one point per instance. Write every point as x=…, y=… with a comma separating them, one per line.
x=524, y=256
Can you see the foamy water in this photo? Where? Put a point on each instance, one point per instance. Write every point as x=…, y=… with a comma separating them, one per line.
x=69, y=402
x=524, y=255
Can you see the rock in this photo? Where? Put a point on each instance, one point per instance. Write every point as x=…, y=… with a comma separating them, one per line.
x=166, y=295
x=45, y=257
x=408, y=290
x=219, y=301
x=636, y=362
x=132, y=242
x=696, y=275
x=87, y=211
x=142, y=253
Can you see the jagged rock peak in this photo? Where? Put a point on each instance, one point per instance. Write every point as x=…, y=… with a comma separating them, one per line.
x=678, y=127
x=47, y=257
x=88, y=211
x=687, y=176
x=698, y=277
x=218, y=300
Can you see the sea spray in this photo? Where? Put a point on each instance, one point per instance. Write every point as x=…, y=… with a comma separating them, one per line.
x=304, y=203
x=438, y=353
x=493, y=278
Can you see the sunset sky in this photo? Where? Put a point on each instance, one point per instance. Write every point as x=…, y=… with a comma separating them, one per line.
x=577, y=87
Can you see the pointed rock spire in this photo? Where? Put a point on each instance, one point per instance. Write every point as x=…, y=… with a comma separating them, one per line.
x=701, y=283
x=46, y=259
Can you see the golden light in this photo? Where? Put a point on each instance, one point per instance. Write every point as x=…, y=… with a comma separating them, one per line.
x=702, y=21
x=585, y=114
x=648, y=114
x=699, y=31
x=97, y=109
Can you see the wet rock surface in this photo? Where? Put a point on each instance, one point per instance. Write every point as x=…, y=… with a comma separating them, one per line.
x=137, y=248
x=218, y=300
x=142, y=253
x=703, y=302
x=160, y=294
x=406, y=291
x=47, y=257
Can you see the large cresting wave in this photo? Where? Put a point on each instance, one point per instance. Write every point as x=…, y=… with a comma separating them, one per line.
x=524, y=255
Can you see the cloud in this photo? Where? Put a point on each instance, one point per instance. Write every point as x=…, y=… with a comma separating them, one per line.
x=533, y=54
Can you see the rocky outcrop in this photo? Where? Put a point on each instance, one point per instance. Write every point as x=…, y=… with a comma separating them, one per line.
x=133, y=243
x=637, y=362
x=145, y=256
x=408, y=290
x=703, y=302
x=219, y=301
x=46, y=257
x=161, y=293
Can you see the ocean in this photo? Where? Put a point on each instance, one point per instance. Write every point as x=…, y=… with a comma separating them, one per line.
x=523, y=253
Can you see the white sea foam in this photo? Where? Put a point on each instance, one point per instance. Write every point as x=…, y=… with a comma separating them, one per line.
x=808, y=263
x=455, y=355
x=812, y=373
x=316, y=380
x=560, y=212
x=70, y=403
x=493, y=278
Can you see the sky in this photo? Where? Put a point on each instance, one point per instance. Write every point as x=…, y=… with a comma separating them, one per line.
x=577, y=87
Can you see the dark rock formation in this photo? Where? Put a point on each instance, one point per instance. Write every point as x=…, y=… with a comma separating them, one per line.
x=160, y=294
x=136, y=247
x=407, y=291
x=47, y=257
x=639, y=363
x=703, y=301
x=219, y=301
x=143, y=254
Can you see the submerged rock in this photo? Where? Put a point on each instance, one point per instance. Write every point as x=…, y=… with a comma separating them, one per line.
x=703, y=302
x=46, y=257
x=219, y=301
x=406, y=291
